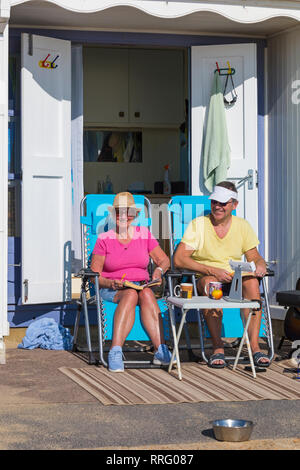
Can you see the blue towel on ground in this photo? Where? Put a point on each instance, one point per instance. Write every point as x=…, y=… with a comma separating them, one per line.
x=46, y=334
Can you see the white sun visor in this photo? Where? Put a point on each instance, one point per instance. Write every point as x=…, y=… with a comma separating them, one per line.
x=221, y=194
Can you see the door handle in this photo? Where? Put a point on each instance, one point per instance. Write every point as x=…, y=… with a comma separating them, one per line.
x=249, y=178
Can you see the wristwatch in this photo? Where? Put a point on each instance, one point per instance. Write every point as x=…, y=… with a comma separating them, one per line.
x=161, y=269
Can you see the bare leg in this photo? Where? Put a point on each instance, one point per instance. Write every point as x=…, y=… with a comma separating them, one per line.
x=124, y=315
x=150, y=316
x=213, y=318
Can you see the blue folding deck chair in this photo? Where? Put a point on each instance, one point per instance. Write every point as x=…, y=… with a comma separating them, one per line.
x=181, y=210
x=95, y=219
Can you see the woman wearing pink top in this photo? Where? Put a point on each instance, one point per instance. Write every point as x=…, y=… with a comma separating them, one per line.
x=122, y=254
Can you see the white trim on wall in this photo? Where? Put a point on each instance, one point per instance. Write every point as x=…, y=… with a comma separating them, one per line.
x=235, y=11
x=266, y=156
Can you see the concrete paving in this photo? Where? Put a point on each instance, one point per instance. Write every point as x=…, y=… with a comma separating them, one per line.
x=41, y=408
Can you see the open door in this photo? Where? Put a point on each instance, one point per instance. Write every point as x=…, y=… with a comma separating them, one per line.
x=241, y=119
x=46, y=169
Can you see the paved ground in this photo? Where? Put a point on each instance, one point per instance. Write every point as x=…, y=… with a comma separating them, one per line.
x=40, y=408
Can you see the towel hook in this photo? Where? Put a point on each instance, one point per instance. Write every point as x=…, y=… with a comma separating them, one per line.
x=227, y=71
x=231, y=102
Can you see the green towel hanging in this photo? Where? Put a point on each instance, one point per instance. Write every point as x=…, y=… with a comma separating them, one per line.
x=216, y=155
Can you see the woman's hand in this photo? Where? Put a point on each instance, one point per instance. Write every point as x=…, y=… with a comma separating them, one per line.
x=117, y=284
x=157, y=274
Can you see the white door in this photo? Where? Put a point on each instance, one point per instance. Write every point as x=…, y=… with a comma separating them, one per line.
x=46, y=169
x=241, y=118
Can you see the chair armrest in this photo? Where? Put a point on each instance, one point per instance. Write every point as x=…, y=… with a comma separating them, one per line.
x=86, y=272
x=179, y=273
x=270, y=272
x=185, y=272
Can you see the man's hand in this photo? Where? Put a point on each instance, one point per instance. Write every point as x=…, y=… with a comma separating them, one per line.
x=261, y=268
x=221, y=274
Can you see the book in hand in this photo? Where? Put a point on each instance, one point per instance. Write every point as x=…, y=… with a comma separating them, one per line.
x=154, y=282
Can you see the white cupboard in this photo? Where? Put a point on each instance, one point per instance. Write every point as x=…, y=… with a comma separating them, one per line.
x=105, y=85
x=133, y=87
x=156, y=87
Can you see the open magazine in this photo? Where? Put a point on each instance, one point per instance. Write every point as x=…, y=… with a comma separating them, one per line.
x=154, y=282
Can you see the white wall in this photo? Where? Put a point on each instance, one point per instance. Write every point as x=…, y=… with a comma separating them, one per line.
x=160, y=146
x=284, y=159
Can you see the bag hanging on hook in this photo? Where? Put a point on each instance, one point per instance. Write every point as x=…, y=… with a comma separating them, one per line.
x=233, y=92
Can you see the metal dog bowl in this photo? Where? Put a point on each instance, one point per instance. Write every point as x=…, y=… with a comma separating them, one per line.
x=233, y=430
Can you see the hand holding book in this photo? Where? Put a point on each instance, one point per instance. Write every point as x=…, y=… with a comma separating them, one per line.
x=153, y=282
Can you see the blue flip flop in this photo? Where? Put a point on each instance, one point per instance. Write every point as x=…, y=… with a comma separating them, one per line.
x=257, y=359
x=217, y=357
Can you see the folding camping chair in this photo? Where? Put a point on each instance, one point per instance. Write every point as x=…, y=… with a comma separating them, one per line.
x=181, y=210
x=95, y=220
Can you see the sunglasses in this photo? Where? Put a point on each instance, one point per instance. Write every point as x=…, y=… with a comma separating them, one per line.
x=125, y=212
x=222, y=204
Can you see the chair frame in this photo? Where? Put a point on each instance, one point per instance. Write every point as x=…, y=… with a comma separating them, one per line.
x=266, y=316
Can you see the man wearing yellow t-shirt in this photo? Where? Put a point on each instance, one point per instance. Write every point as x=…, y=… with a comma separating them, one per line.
x=208, y=244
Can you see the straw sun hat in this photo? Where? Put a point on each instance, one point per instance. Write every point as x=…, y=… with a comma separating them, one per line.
x=124, y=201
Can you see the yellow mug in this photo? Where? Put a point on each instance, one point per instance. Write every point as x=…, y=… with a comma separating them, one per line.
x=184, y=290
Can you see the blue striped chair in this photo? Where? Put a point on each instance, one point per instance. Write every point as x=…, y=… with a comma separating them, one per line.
x=181, y=210
x=95, y=220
